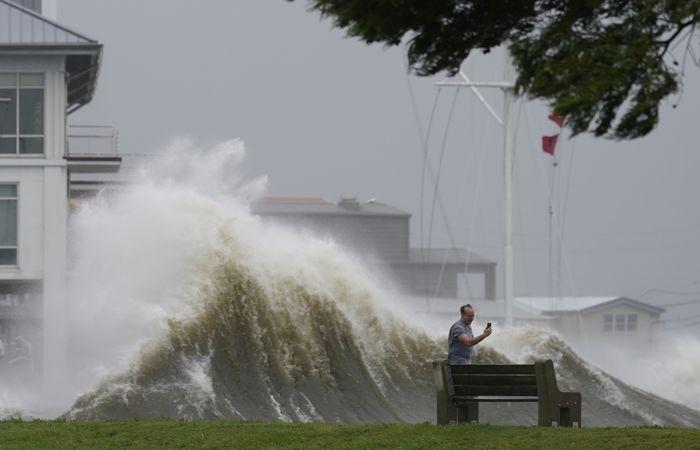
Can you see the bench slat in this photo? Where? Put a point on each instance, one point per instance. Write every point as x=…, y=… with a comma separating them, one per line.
x=468, y=390
x=491, y=398
x=494, y=380
x=505, y=369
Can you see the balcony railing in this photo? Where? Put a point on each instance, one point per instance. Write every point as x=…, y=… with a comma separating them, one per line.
x=92, y=141
x=93, y=149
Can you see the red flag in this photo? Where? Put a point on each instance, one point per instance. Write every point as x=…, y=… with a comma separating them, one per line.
x=549, y=143
x=559, y=120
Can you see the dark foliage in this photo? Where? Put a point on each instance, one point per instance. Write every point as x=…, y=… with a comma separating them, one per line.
x=604, y=64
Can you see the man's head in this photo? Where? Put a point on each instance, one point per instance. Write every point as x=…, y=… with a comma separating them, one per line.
x=467, y=313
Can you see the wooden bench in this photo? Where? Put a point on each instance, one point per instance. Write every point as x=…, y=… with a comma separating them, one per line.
x=460, y=389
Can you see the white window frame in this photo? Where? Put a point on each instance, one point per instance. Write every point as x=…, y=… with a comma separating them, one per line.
x=16, y=246
x=17, y=136
x=611, y=320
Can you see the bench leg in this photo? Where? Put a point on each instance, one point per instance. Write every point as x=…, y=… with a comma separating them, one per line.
x=468, y=412
x=447, y=412
x=562, y=411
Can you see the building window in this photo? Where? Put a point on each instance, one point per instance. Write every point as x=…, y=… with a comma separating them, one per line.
x=608, y=322
x=620, y=322
x=21, y=113
x=8, y=224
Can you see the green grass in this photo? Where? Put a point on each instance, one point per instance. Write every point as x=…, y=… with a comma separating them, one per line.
x=232, y=434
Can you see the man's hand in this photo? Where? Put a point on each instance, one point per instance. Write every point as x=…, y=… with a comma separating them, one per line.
x=473, y=341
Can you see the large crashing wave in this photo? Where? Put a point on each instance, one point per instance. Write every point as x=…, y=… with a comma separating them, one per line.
x=279, y=353
x=240, y=319
x=262, y=322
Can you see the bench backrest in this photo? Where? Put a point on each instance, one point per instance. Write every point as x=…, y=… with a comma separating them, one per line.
x=501, y=380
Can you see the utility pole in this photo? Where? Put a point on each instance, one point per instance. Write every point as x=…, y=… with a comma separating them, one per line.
x=507, y=88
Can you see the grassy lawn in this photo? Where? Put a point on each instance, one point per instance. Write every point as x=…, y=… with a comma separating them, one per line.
x=232, y=434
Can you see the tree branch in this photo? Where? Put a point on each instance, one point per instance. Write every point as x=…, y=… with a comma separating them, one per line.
x=667, y=42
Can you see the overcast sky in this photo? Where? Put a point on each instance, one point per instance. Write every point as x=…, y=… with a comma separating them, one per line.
x=324, y=115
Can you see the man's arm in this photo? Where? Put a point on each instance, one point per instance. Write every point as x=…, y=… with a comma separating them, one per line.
x=464, y=339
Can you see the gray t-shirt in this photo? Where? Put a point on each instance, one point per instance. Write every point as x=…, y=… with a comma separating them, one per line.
x=455, y=346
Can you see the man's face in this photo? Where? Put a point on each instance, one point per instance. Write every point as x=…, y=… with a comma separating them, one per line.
x=468, y=316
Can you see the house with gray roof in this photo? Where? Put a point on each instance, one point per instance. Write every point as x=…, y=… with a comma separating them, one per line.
x=592, y=322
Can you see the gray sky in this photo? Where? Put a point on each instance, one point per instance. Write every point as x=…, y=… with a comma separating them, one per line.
x=325, y=115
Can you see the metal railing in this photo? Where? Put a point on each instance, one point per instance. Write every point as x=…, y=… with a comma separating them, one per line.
x=92, y=140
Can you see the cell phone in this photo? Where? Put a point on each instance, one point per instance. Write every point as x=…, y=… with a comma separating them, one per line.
x=488, y=325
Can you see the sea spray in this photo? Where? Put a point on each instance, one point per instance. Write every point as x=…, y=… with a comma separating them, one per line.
x=185, y=305
x=604, y=395
x=289, y=356
x=180, y=250
x=669, y=367
x=137, y=255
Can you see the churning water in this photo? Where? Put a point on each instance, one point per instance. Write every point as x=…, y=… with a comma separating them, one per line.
x=184, y=305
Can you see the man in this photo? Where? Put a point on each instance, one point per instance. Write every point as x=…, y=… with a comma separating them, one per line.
x=461, y=340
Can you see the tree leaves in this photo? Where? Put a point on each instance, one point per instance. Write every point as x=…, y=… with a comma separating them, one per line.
x=602, y=63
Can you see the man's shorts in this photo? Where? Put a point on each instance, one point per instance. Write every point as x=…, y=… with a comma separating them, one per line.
x=456, y=360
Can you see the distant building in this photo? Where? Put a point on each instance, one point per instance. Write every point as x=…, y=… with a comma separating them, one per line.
x=47, y=71
x=599, y=321
x=380, y=233
x=592, y=323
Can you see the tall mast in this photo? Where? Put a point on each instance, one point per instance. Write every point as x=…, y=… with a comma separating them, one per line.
x=508, y=194
x=506, y=86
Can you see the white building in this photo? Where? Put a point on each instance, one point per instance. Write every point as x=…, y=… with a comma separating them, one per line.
x=595, y=322
x=47, y=71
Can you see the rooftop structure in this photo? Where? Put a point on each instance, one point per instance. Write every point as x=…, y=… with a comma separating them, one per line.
x=309, y=206
x=555, y=306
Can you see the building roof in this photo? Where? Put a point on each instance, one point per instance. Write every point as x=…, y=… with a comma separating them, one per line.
x=25, y=32
x=583, y=305
x=446, y=256
x=485, y=309
x=21, y=26
x=290, y=206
